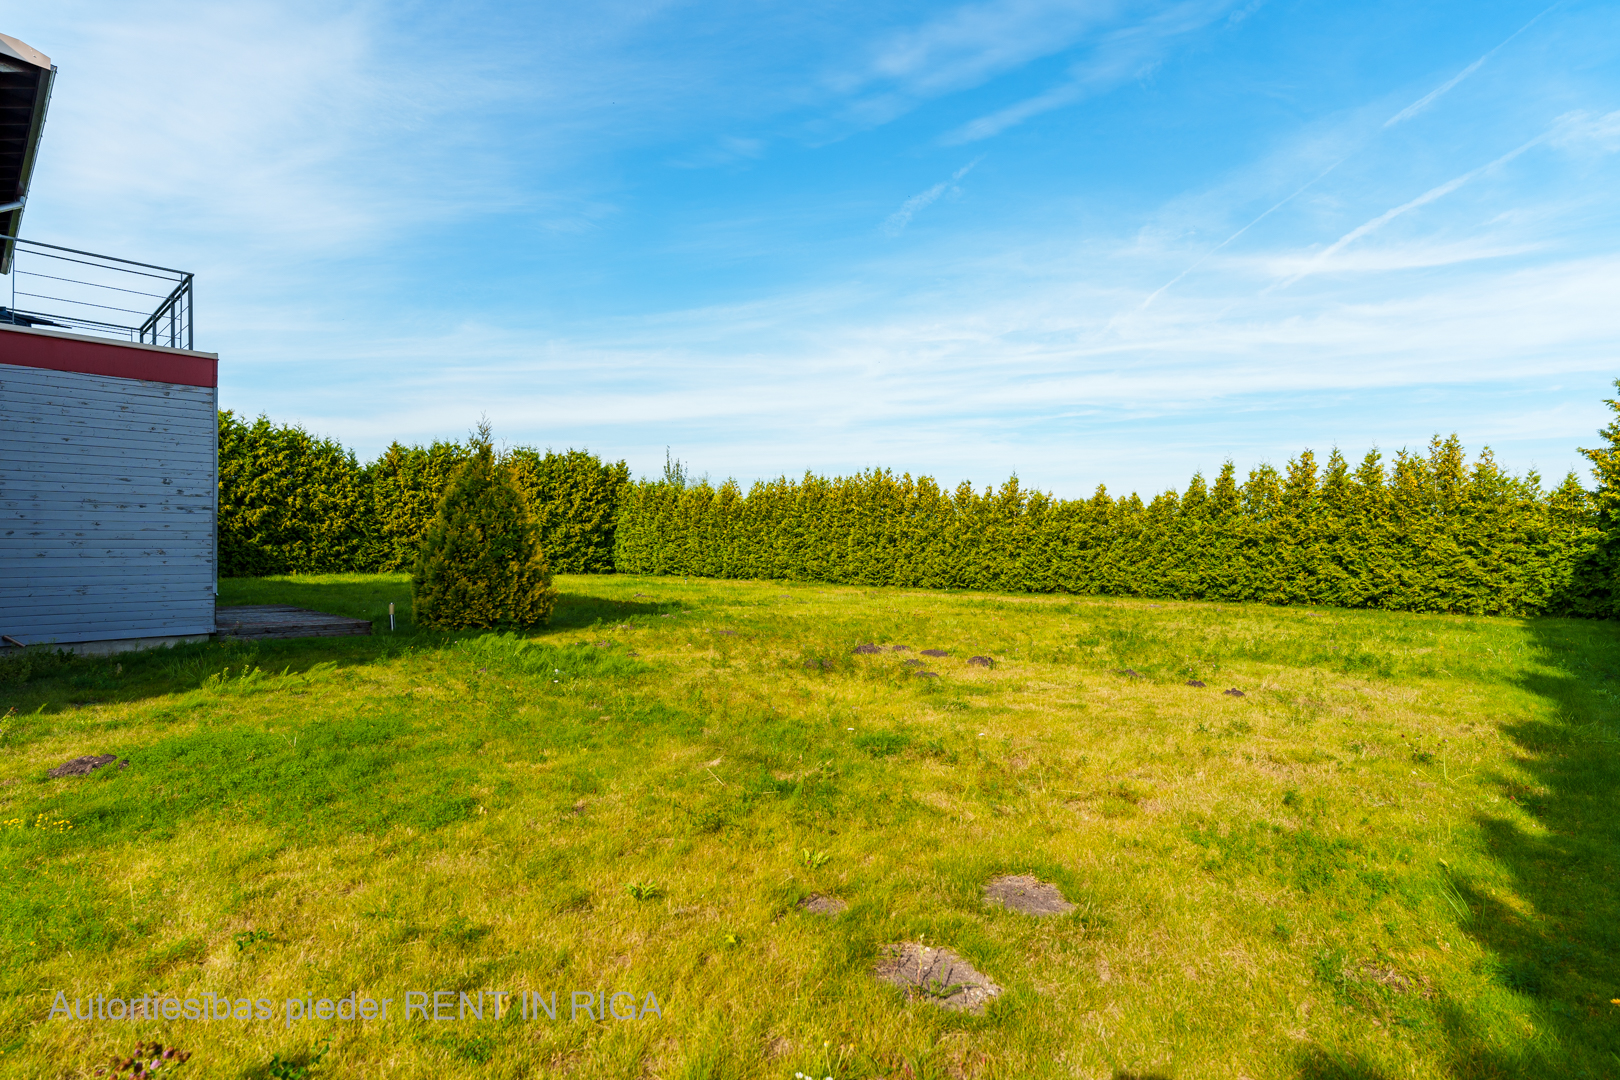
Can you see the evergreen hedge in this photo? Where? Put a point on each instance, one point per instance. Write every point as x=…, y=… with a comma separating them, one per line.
x=1428, y=532
x=1422, y=532
x=290, y=503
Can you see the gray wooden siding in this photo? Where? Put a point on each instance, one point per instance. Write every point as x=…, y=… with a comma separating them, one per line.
x=108, y=492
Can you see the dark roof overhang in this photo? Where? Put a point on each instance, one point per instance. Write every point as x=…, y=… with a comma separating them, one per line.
x=25, y=94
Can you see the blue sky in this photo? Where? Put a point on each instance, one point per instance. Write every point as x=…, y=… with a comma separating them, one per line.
x=1099, y=242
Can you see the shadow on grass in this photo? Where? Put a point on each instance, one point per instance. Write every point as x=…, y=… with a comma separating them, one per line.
x=367, y=596
x=1558, y=959
x=1562, y=958
x=137, y=676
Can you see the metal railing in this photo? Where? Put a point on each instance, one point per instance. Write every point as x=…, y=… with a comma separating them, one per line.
x=66, y=289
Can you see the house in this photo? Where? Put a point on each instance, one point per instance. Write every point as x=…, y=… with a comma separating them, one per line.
x=108, y=426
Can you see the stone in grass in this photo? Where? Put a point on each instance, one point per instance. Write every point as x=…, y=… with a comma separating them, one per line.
x=1026, y=894
x=1234, y=692
x=935, y=652
x=900, y=648
x=1195, y=682
x=913, y=663
x=981, y=661
x=938, y=975
x=1131, y=674
x=816, y=904
x=928, y=674
x=868, y=649
x=84, y=766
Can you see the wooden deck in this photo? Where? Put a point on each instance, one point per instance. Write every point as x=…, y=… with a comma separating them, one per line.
x=283, y=621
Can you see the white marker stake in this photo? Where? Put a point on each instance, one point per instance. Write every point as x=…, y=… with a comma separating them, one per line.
x=390, y=616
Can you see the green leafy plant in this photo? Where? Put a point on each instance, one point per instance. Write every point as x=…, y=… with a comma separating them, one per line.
x=17, y=666
x=814, y=860
x=643, y=890
x=480, y=563
x=298, y=1068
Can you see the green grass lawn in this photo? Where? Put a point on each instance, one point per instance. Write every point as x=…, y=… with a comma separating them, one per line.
x=1394, y=855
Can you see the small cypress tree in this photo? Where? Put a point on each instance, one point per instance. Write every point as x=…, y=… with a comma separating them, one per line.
x=480, y=563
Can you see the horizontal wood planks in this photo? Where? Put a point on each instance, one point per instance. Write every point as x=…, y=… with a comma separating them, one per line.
x=108, y=499
x=281, y=621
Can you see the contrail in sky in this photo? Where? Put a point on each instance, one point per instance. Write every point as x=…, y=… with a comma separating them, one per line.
x=1427, y=99
x=1240, y=232
x=1405, y=114
x=1389, y=215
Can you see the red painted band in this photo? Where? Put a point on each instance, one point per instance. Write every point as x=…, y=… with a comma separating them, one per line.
x=33, y=348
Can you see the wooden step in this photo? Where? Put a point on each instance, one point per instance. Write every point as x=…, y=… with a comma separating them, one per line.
x=256, y=621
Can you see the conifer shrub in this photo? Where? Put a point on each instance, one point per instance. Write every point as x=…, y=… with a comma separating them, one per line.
x=480, y=564
x=289, y=503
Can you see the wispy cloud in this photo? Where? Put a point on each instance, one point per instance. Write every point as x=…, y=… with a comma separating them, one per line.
x=1585, y=130
x=1119, y=56
x=972, y=43
x=896, y=223
x=976, y=386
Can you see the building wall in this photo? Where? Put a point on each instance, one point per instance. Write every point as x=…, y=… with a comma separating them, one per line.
x=108, y=494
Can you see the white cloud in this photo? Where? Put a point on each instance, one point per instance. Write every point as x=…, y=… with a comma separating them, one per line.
x=1582, y=130
x=973, y=43
x=896, y=222
x=1119, y=56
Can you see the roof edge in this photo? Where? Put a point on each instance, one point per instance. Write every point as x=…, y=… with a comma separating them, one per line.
x=23, y=51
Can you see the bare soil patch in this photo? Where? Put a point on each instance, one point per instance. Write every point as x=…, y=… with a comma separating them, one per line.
x=938, y=975
x=84, y=766
x=816, y=904
x=1026, y=894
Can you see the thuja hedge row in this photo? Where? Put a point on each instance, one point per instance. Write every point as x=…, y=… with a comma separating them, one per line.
x=292, y=503
x=1426, y=532
x=1422, y=532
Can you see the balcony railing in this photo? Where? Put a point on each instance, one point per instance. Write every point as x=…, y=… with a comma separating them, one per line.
x=66, y=289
